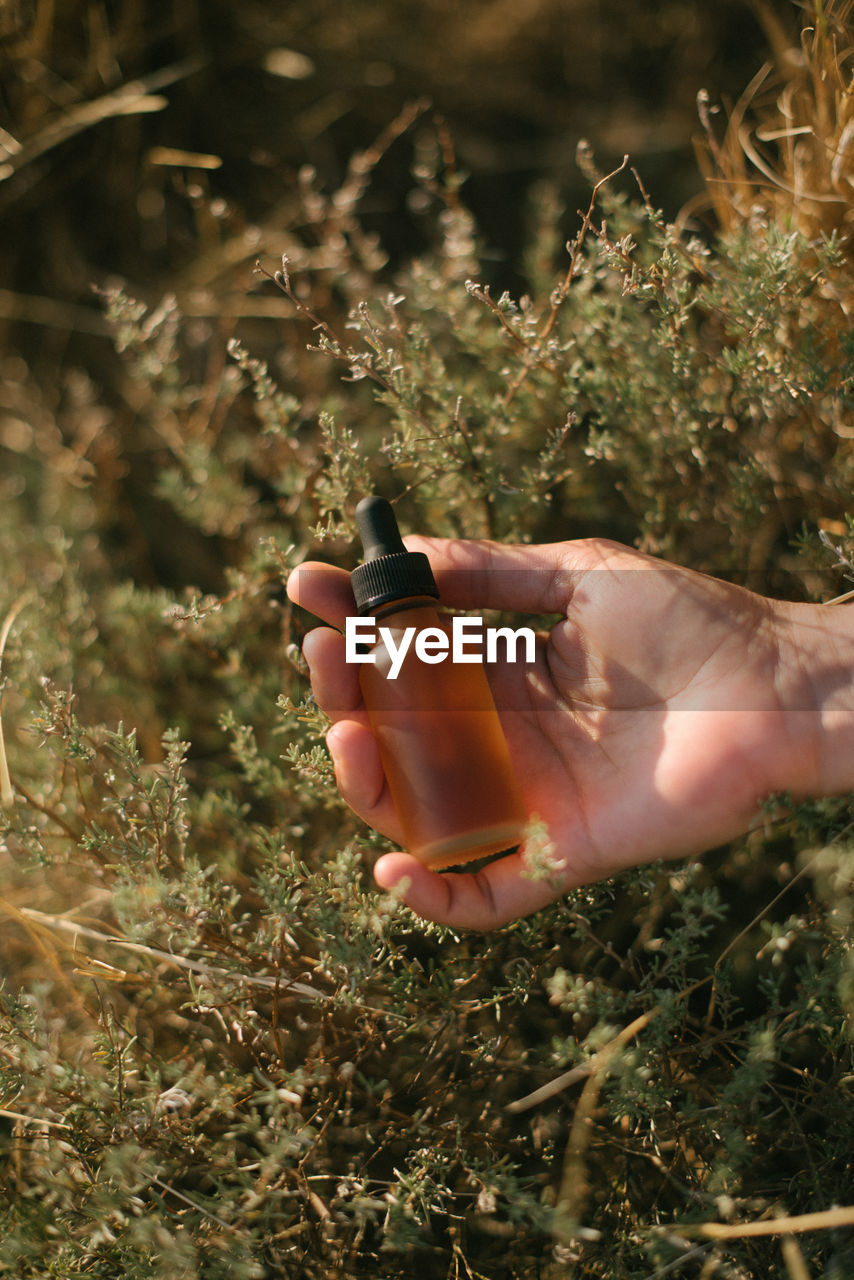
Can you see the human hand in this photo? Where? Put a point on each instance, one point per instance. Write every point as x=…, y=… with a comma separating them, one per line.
x=661, y=709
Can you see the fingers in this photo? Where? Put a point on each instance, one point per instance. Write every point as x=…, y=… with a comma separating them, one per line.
x=477, y=574
x=469, y=575
x=335, y=681
x=351, y=744
x=323, y=590
x=482, y=900
x=360, y=778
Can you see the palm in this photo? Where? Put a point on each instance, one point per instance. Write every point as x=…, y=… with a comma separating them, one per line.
x=642, y=713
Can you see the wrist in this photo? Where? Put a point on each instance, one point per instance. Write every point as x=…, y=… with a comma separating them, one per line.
x=816, y=688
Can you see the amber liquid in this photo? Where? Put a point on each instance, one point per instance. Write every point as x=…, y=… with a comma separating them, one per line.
x=443, y=750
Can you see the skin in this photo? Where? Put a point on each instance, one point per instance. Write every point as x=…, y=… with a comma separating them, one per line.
x=664, y=705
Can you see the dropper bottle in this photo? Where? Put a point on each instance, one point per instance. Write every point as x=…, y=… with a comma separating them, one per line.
x=442, y=747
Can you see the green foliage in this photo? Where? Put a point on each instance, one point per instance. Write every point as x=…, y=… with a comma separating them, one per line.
x=223, y=1053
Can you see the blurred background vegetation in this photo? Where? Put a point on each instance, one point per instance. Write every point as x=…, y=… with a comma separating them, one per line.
x=222, y=1053
x=168, y=147
x=263, y=89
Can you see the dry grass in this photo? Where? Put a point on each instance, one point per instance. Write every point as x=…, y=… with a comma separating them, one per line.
x=788, y=150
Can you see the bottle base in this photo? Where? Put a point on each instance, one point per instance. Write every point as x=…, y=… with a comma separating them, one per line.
x=469, y=846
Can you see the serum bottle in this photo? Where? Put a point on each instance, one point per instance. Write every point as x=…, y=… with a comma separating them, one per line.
x=441, y=743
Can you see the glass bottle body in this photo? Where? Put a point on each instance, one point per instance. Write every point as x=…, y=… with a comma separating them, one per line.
x=442, y=747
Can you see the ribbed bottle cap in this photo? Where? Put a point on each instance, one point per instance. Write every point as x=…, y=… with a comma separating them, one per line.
x=389, y=571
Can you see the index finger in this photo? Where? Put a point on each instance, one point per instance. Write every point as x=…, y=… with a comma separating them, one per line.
x=469, y=575
x=472, y=574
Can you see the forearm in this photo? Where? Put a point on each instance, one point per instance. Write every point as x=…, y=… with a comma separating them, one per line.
x=817, y=692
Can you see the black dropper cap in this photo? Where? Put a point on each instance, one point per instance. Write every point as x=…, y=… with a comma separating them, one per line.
x=389, y=571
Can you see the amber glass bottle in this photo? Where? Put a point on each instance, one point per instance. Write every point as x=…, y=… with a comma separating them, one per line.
x=440, y=739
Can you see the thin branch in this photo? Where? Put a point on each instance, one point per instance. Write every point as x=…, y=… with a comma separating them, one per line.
x=587, y=221
x=7, y=794
x=38, y=1120
x=180, y=962
x=560, y=293
x=282, y=985
x=199, y=1208
x=594, y=1066
x=823, y=1220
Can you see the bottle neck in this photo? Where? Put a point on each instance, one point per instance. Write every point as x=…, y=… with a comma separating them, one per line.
x=402, y=605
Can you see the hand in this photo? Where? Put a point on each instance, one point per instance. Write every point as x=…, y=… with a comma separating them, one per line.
x=662, y=708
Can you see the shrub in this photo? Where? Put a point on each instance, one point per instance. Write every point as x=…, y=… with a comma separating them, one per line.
x=223, y=1053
